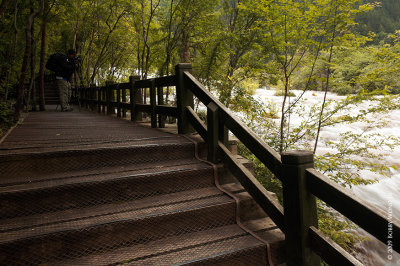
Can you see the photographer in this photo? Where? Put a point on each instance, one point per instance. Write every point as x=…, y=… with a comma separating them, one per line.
x=64, y=66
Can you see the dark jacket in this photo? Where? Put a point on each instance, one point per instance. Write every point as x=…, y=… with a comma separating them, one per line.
x=65, y=68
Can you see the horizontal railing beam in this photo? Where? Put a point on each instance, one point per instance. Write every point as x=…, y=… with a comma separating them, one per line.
x=264, y=198
x=329, y=251
x=197, y=123
x=141, y=84
x=367, y=216
x=167, y=81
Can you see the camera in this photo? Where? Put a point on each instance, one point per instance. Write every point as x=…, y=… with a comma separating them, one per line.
x=77, y=60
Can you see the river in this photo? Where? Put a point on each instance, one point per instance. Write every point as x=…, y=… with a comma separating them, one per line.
x=384, y=194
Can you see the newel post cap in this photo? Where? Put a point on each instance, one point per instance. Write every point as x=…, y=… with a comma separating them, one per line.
x=297, y=157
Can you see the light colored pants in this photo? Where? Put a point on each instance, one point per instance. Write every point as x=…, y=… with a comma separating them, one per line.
x=64, y=91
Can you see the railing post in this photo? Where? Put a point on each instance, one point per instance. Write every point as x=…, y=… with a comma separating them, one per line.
x=300, y=208
x=160, y=98
x=87, y=98
x=212, y=132
x=184, y=97
x=223, y=135
x=103, y=96
x=110, y=98
x=118, y=102
x=92, y=97
x=123, y=101
x=133, y=96
x=153, y=104
x=98, y=90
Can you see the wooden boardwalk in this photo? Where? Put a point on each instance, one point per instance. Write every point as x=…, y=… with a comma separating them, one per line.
x=79, y=188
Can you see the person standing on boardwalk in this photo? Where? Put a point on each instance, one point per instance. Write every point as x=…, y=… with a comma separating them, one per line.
x=63, y=66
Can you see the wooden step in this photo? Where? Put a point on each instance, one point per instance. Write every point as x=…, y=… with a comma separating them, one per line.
x=81, y=191
x=227, y=245
x=37, y=220
x=19, y=167
x=97, y=233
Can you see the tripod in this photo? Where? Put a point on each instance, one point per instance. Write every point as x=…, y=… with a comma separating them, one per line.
x=76, y=90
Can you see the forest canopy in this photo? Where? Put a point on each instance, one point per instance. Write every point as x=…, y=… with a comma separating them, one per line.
x=228, y=42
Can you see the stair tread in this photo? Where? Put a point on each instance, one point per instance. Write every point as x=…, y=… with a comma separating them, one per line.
x=139, y=212
x=81, y=213
x=13, y=153
x=12, y=185
x=174, y=249
x=204, y=252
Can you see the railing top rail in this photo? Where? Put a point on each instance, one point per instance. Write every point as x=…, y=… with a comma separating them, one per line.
x=254, y=143
x=367, y=216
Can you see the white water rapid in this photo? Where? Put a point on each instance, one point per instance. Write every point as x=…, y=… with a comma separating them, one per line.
x=386, y=193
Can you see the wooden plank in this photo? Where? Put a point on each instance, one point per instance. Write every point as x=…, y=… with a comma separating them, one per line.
x=124, y=86
x=370, y=218
x=266, y=201
x=329, y=251
x=197, y=123
x=153, y=105
x=140, y=84
x=165, y=81
x=212, y=132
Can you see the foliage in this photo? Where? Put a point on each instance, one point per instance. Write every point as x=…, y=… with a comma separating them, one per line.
x=6, y=117
x=383, y=20
x=337, y=227
x=263, y=174
x=282, y=93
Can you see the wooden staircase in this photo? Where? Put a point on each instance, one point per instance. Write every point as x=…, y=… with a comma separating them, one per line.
x=84, y=189
x=50, y=90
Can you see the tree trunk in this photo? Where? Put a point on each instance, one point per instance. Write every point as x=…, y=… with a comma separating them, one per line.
x=27, y=54
x=42, y=103
x=32, y=90
x=14, y=53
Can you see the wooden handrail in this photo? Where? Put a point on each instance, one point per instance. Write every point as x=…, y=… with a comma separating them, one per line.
x=370, y=218
x=300, y=184
x=255, y=144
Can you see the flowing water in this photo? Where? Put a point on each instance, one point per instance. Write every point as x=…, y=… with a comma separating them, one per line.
x=384, y=194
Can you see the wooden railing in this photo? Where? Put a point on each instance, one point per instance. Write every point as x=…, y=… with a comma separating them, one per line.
x=301, y=182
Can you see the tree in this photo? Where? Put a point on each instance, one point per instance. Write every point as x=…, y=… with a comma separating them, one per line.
x=28, y=44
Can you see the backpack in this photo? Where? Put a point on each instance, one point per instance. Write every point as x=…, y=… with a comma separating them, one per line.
x=54, y=61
